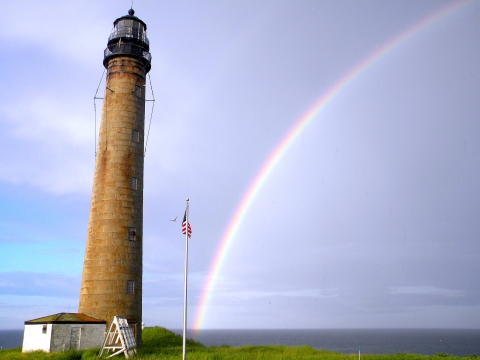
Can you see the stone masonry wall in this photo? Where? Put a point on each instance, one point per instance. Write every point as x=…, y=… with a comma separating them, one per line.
x=113, y=256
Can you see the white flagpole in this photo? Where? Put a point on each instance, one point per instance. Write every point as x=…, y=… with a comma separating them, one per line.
x=184, y=355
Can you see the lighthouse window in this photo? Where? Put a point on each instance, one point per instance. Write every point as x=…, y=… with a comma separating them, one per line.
x=138, y=91
x=44, y=329
x=130, y=286
x=131, y=233
x=133, y=183
x=135, y=135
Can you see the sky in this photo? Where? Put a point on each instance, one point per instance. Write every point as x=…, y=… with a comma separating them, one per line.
x=369, y=219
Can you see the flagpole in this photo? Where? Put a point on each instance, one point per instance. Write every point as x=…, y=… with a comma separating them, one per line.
x=184, y=355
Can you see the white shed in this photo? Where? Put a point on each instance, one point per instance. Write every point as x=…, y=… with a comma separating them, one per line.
x=63, y=331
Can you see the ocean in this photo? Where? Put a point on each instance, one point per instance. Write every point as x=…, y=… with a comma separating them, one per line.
x=370, y=341
x=11, y=338
x=347, y=341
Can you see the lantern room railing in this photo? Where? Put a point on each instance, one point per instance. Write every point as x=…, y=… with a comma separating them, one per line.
x=127, y=49
x=129, y=32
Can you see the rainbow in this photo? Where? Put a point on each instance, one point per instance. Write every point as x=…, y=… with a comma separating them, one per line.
x=282, y=147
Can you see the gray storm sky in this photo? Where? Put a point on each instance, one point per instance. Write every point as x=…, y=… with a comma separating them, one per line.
x=369, y=220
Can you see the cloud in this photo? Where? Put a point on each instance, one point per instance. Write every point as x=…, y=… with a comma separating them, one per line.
x=303, y=293
x=16, y=309
x=377, y=197
x=52, y=141
x=39, y=284
x=426, y=290
x=48, y=24
x=47, y=118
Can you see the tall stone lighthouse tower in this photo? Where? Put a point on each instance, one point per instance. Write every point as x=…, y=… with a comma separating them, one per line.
x=112, y=269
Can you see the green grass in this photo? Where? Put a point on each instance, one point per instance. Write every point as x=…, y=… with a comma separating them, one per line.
x=160, y=343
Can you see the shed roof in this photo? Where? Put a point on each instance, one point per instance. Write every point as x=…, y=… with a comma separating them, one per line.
x=66, y=318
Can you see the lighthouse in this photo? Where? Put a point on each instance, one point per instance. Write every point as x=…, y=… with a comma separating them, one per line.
x=112, y=268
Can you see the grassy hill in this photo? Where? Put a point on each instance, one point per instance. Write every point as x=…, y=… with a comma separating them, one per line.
x=160, y=343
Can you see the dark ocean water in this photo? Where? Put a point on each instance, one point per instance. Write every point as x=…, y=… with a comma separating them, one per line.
x=11, y=338
x=379, y=341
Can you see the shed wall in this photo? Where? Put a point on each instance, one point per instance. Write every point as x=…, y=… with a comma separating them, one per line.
x=93, y=336
x=60, y=337
x=34, y=339
x=77, y=336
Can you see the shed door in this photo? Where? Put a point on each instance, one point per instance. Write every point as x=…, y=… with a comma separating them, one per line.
x=75, y=338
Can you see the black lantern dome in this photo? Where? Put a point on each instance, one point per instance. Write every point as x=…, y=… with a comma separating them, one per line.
x=128, y=38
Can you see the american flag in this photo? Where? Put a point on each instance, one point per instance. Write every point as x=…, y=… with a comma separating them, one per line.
x=186, y=226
